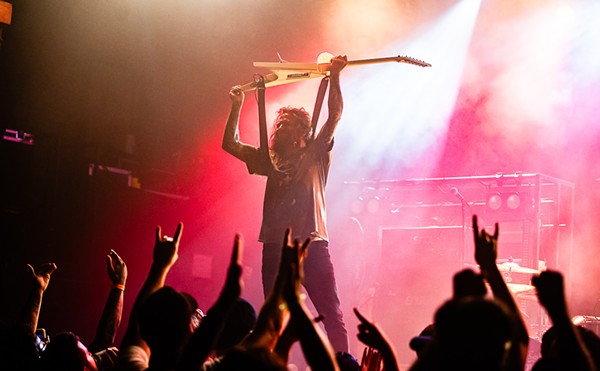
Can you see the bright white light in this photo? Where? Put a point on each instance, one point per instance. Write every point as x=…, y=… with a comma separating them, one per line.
x=396, y=115
x=584, y=56
x=324, y=57
x=566, y=13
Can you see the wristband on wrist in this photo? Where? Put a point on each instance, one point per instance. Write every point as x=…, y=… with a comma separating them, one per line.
x=119, y=286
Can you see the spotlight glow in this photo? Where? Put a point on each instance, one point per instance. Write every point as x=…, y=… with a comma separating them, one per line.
x=397, y=115
x=513, y=201
x=494, y=201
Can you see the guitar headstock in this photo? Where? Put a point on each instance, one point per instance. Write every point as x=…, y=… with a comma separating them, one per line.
x=410, y=60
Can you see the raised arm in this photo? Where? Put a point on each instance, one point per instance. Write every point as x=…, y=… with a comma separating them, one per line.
x=274, y=312
x=335, y=102
x=203, y=340
x=113, y=309
x=486, y=252
x=231, y=137
x=316, y=348
x=370, y=335
x=164, y=257
x=40, y=278
x=573, y=354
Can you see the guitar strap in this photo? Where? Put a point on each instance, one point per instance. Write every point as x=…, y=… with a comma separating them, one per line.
x=319, y=104
x=262, y=117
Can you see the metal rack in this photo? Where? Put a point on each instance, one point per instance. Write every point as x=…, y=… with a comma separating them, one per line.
x=534, y=211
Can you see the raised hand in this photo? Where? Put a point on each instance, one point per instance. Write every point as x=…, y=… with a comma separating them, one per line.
x=292, y=255
x=486, y=246
x=205, y=336
x=571, y=352
x=166, y=248
x=379, y=349
x=297, y=254
x=236, y=95
x=371, y=360
x=113, y=308
x=40, y=278
x=117, y=269
x=369, y=333
x=486, y=252
x=301, y=326
x=233, y=282
x=41, y=275
x=551, y=292
x=337, y=64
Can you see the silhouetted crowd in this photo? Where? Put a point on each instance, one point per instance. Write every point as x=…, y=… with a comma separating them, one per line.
x=473, y=330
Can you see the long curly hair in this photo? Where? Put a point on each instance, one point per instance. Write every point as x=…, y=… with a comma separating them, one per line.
x=290, y=126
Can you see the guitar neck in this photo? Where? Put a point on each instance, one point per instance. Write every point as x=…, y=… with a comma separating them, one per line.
x=372, y=61
x=398, y=59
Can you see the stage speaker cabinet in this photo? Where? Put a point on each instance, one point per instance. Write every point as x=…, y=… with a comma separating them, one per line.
x=415, y=277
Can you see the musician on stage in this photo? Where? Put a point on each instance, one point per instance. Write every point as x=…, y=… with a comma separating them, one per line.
x=296, y=167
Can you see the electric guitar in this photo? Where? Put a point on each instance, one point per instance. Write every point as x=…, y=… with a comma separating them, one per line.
x=284, y=72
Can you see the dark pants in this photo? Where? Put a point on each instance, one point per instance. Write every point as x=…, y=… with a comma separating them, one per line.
x=319, y=282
